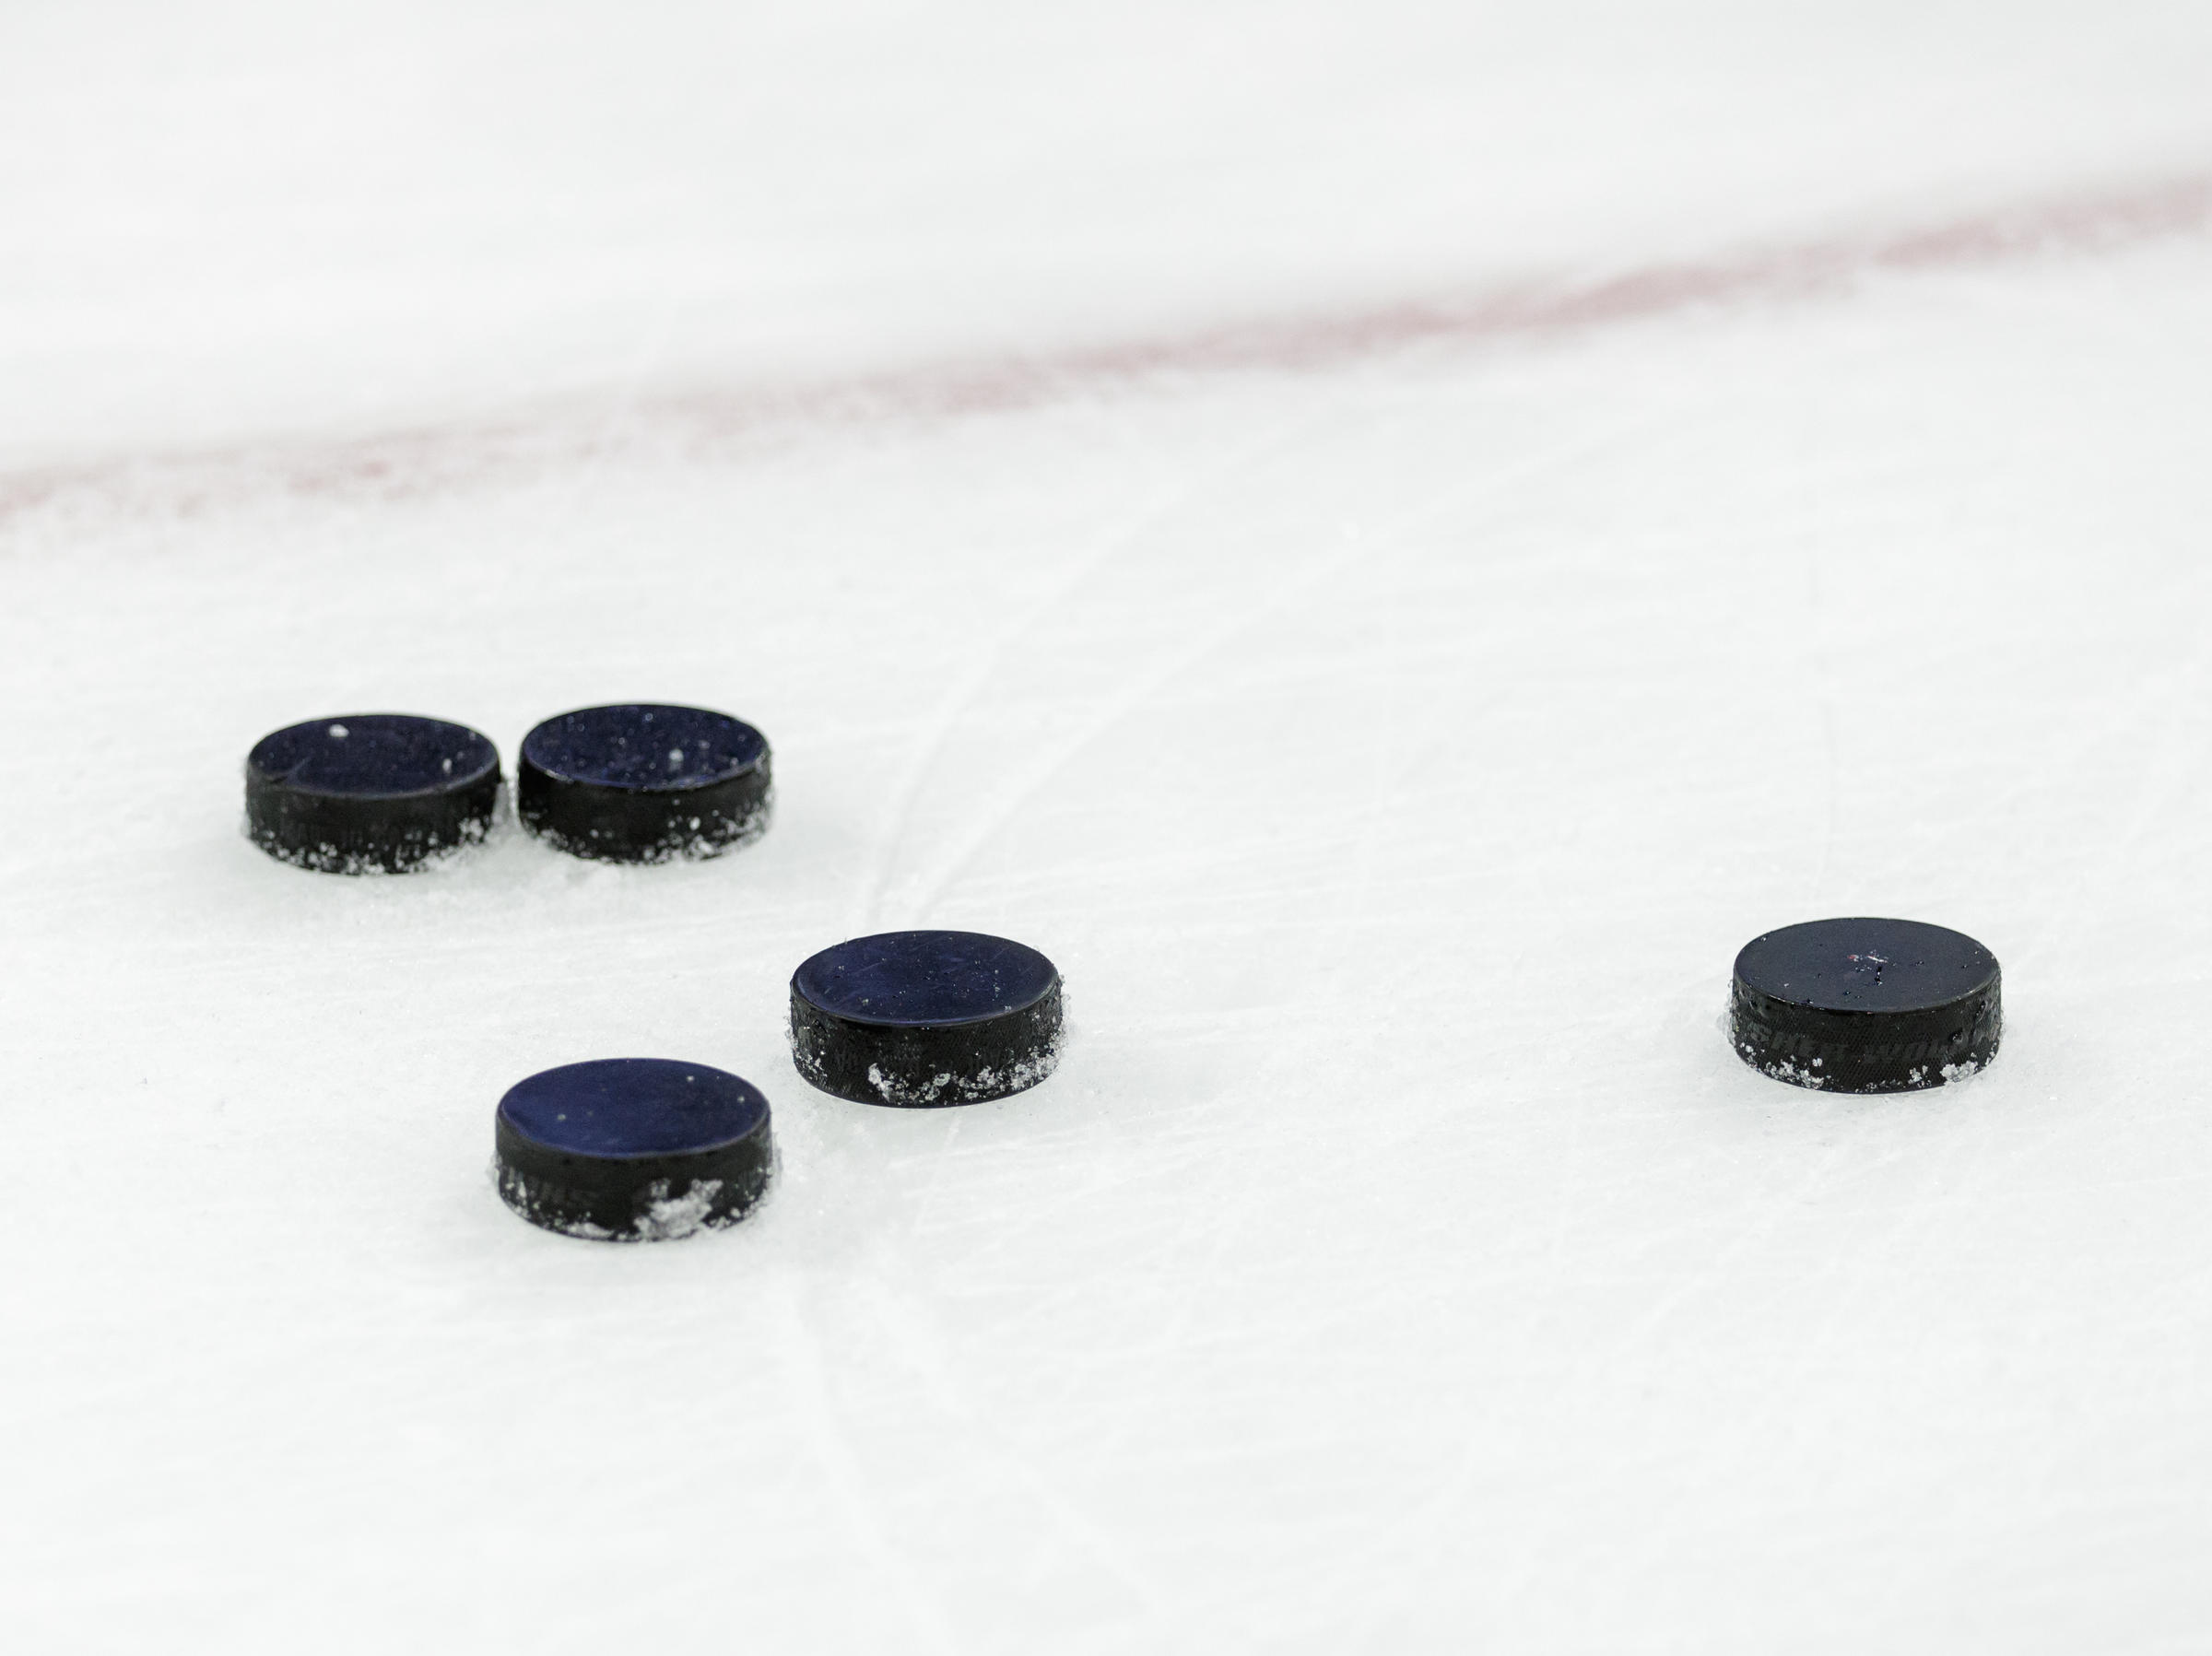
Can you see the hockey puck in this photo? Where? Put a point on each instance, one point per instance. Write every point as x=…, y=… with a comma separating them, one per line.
x=370, y=792
x=633, y=1150
x=645, y=783
x=1866, y=1006
x=925, y=1018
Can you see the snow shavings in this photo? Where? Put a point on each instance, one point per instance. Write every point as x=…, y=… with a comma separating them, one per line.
x=699, y=841
x=946, y=1087
x=664, y=1212
x=668, y=1218
x=419, y=857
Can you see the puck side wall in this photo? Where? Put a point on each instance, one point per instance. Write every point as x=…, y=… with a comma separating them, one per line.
x=926, y=1066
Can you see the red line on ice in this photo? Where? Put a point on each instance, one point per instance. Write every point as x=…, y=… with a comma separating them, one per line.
x=412, y=462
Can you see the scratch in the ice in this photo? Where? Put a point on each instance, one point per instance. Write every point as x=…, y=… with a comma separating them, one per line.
x=2181, y=700
x=1832, y=763
x=902, y=1318
x=944, y=719
x=554, y=439
x=809, y=1390
x=1424, y=1529
x=988, y=822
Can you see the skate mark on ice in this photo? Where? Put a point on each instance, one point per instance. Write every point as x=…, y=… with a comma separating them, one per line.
x=994, y=816
x=807, y=1388
x=869, y=904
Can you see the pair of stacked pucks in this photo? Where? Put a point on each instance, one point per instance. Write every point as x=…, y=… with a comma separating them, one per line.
x=644, y=1149
x=1866, y=1006
x=391, y=793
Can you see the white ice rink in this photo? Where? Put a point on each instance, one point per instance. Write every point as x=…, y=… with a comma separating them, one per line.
x=1389, y=540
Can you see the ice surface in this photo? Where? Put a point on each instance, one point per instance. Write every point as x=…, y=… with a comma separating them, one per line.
x=1391, y=756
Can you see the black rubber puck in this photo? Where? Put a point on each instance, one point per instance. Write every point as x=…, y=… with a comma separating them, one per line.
x=1866, y=1006
x=645, y=783
x=633, y=1149
x=925, y=1018
x=370, y=792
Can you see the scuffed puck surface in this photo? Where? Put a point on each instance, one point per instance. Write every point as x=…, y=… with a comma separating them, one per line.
x=1866, y=1006
x=633, y=1149
x=921, y=1019
x=644, y=783
x=370, y=793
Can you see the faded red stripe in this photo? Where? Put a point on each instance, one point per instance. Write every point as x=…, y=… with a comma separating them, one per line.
x=472, y=453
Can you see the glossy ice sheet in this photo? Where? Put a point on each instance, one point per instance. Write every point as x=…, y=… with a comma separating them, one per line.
x=1391, y=754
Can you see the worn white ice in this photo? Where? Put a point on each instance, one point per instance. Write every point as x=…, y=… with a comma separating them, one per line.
x=1792, y=501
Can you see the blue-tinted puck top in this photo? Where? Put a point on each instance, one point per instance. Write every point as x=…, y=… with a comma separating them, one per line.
x=614, y=1108
x=910, y=980
x=375, y=756
x=644, y=747
x=1866, y=966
